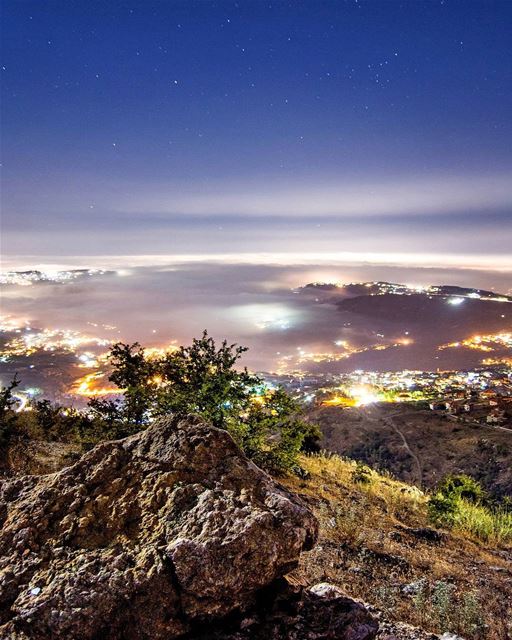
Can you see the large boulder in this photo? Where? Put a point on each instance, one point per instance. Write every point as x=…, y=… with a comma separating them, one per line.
x=144, y=538
x=288, y=612
x=22, y=456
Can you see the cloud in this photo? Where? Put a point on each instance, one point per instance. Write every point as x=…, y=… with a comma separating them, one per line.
x=410, y=196
x=495, y=263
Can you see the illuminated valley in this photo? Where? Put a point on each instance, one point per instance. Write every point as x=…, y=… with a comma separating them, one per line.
x=256, y=320
x=354, y=357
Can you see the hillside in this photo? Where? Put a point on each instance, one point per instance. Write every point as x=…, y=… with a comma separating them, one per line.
x=430, y=318
x=355, y=289
x=407, y=441
x=376, y=543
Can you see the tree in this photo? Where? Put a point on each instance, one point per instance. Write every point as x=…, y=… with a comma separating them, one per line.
x=271, y=431
x=8, y=417
x=133, y=373
x=47, y=416
x=109, y=419
x=54, y=422
x=203, y=379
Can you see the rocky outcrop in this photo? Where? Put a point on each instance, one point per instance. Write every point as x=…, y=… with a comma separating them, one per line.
x=144, y=538
x=37, y=457
x=288, y=612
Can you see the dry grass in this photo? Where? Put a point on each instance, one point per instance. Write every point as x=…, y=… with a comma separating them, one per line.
x=400, y=501
x=370, y=546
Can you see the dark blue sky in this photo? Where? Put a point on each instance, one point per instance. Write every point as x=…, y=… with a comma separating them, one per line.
x=161, y=127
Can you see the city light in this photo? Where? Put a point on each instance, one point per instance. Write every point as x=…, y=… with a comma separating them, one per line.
x=89, y=386
x=364, y=395
x=488, y=342
x=31, y=277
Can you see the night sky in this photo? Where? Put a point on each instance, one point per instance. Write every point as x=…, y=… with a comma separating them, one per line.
x=380, y=130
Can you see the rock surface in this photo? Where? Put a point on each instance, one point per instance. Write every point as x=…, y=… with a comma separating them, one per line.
x=285, y=612
x=144, y=538
x=27, y=457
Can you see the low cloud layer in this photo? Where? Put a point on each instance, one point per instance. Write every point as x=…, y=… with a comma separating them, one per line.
x=410, y=196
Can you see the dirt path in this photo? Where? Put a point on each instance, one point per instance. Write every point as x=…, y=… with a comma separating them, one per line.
x=388, y=420
x=391, y=423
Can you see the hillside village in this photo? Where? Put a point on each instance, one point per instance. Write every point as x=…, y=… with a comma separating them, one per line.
x=479, y=396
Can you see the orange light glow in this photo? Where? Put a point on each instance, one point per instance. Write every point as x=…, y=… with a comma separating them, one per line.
x=88, y=386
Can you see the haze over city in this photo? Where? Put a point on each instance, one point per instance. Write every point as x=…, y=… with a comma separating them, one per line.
x=206, y=161
x=256, y=320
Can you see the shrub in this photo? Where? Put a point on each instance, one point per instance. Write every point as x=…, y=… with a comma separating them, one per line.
x=8, y=417
x=203, y=379
x=462, y=486
x=442, y=603
x=445, y=503
x=460, y=503
x=449, y=610
x=362, y=474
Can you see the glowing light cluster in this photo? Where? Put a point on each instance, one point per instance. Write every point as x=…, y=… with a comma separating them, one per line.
x=355, y=396
x=29, y=278
x=384, y=288
x=90, y=352
x=160, y=352
x=29, y=341
x=9, y=323
x=266, y=317
x=489, y=342
x=89, y=386
x=293, y=362
x=88, y=360
x=360, y=388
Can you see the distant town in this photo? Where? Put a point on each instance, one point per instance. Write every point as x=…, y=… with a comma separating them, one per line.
x=480, y=396
x=70, y=366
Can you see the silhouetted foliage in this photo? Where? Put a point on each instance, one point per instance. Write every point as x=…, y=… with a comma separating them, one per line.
x=133, y=373
x=203, y=379
x=8, y=416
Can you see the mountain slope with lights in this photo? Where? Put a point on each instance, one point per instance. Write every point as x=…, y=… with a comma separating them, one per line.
x=413, y=327
x=452, y=293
